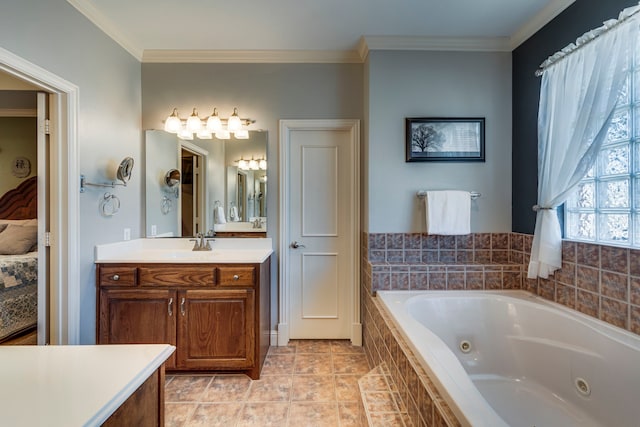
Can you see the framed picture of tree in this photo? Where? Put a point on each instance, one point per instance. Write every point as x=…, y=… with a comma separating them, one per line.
x=444, y=139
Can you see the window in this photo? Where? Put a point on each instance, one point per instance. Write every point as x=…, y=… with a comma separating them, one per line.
x=605, y=207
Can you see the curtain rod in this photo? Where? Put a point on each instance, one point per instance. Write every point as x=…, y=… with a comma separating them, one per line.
x=588, y=37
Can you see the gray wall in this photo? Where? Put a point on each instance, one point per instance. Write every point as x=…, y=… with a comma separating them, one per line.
x=54, y=36
x=435, y=84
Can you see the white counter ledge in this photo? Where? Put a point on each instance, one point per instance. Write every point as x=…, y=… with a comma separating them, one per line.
x=178, y=250
x=72, y=385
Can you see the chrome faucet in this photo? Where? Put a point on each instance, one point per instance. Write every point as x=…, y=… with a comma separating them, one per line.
x=257, y=223
x=202, y=242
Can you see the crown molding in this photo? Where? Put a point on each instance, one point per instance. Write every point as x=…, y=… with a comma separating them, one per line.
x=359, y=55
x=250, y=56
x=86, y=8
x=473, y=44
x=546, y=15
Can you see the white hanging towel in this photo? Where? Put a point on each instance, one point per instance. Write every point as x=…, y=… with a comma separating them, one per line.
x=220, y=219
x=448, y=212
x=234, y=214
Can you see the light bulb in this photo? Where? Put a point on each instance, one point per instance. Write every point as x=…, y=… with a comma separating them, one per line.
x=234, y=124
x=253, y=164
x=194, y=124
x=184, y=133
x=213, y=122
x=241, y=134
x=223, y=134
x=263, y=164
x=242, y=164
x=204, y=133
x=172, y=123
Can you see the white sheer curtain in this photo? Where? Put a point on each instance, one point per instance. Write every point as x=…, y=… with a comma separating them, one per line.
x=577, y=99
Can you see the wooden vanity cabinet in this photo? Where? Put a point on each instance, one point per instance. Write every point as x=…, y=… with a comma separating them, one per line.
x=217, y=315
x=133, y=316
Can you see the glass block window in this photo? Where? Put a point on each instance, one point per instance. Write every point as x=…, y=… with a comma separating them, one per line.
x=605, y=207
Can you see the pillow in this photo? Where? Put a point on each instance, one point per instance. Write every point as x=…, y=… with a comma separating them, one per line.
x=33, y=221
x=18, y=239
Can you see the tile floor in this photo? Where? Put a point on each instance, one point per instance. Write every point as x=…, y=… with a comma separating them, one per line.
x=308, y=383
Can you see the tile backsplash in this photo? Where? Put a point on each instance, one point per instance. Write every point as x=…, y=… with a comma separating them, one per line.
x=598, y=280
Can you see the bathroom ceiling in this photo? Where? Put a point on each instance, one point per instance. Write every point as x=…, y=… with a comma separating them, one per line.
x=142, y=26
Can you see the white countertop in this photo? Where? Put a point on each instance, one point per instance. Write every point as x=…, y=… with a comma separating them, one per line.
x=70, y=386
x=178, y=250
x=245, y=227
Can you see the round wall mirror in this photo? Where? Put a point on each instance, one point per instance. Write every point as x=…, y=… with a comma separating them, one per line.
x=124, y=170
x=172, y=178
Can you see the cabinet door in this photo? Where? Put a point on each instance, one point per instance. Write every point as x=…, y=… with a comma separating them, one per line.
x=216, y=329
x=138, y=317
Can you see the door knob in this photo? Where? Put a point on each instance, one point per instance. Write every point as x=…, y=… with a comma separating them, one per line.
x=296, y=245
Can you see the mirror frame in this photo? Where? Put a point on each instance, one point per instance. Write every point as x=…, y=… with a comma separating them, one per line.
x=216, y=158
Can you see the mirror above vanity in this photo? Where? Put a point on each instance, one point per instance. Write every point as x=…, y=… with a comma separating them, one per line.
x=205, y=184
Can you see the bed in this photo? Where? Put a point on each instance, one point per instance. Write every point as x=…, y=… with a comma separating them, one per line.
x=18, y=260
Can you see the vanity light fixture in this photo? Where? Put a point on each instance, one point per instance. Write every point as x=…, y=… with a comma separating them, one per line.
x=214, y=124
x=242, y=164
x=241, y=134
x=251, y=165
x=173, y=123
x=184, y=133
x=234, y=124
x=223, y=134
x=204, y=133
x=205, y=129
x=194, y=124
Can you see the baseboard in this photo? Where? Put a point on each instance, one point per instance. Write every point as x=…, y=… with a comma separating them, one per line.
x=356, y=334
x=273, y=338
x=283, y=334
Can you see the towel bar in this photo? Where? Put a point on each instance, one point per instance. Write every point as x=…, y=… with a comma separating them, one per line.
x=474, y=194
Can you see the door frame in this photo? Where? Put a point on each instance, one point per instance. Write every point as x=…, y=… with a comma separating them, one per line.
x=203, y=191
x=286, y=127
x=64, y=185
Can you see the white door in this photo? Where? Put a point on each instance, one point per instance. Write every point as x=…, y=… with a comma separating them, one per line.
x=320, y=228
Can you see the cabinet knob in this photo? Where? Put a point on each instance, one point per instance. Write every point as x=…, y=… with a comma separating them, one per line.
x=236, y=277
x=115, y=277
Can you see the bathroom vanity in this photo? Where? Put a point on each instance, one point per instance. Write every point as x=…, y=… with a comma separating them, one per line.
x=214, y=306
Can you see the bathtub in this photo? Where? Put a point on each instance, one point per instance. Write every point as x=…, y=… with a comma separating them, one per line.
x=510, y=358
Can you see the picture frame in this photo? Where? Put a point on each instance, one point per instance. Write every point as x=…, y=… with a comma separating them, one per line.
x=434, y=139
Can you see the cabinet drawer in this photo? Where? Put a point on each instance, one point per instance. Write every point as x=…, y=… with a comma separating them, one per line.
x=177, y=275
x=118, y=275
x=237, y=276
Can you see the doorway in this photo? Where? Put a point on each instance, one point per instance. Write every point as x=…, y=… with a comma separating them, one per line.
x=192, y=191
x=319, y=226
x=61, y=232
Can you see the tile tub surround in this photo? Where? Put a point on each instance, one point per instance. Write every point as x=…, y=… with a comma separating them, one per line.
x=414, y=392
x=415, y=261
x=598, y=280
